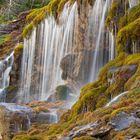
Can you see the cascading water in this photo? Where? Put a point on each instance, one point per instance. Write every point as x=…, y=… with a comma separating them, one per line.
x=43, y=51
x=97, y=28
x=53, y=115
x=111, y=46
x=133, y=3
x=10, y=2
x=5, y=68
x=115, y=99
x=51, y=41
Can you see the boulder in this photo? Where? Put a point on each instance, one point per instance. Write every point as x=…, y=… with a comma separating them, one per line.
x=121, y=73
x=13, y=118
x=96, y=130
x=16, y=118
x=123, y=120
x=62, y=93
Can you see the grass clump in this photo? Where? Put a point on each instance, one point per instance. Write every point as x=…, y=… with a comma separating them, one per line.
x=5, y=38
x=18, y=48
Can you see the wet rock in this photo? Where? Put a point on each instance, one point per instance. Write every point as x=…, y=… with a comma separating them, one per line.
x=40, y=117
x=97, y=130
x=123, y=121
x=67, y=65
x=81, y=130
x=62, y=92
x=103, y=131
x=13, y=118
x=14, y=29
x=76, y=66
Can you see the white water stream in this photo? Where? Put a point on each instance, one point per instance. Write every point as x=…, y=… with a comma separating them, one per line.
x=115, y=99
x=5, y=68
x=133, y=3
x=97, y=29
x=43, y=52
x=50, y=41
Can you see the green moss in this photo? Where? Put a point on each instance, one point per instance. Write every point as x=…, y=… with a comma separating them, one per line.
x=133, y=81
x=19, y=48
x=37, y=15
x=61, y=6
x=117, y=10
x=62, y=92
x=11, y=88
x=5, y=38
x=89, y=99
x=26, y=137
x=27, y=30
x=123, y=109
x=130, y=16
x=129, y=32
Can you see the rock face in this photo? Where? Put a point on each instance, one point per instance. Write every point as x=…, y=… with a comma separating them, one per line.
x=16, y=118
x=123, y=121
x=62, y=93
x=13, y=118
x=14, y=30
x=6, y=29
x=122, y=73
x=101, y=130
x=76, y=67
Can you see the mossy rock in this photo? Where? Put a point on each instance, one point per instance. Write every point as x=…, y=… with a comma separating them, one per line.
x=18, y=49
x=117, y=10
x=62, y=92
x=130, y=16
x=11, y=88
x=129, y=32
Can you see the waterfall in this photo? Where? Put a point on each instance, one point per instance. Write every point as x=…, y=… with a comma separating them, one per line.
x=115, y=99
x=43, y=51
x=97, y=27
x=50, y=41
x=10, y=2
x=5, y=68
x=133, y=3
x=53, y=115
x=111, y=46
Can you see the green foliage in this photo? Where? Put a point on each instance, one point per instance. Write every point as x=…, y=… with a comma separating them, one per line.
x=6, y=17
x=19, y=6
x=30, y=4
x=2, y=3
